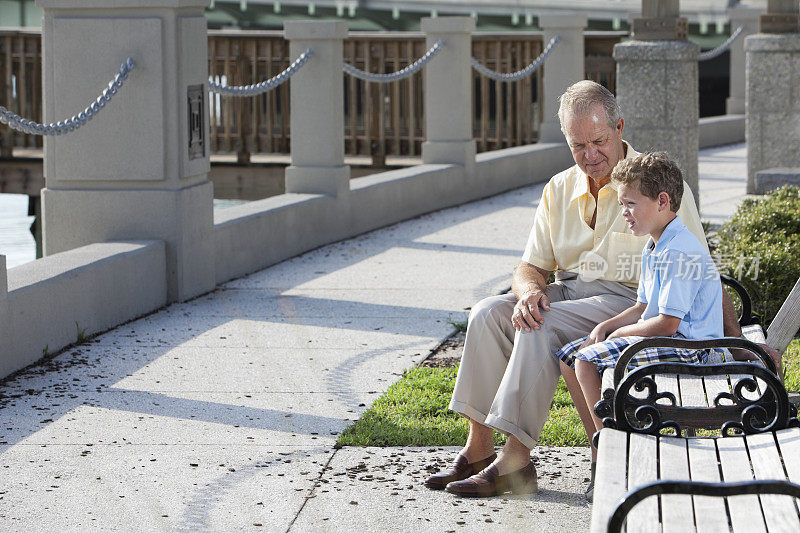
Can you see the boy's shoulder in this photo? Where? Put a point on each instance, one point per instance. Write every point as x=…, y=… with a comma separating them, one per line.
x=685, y=242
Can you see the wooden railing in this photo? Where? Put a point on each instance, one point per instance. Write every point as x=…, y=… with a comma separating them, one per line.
x=20, y=85
x=380, y=119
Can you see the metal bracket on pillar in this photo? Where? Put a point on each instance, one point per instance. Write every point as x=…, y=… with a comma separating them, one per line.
x=782, y=16
x=779, y=23
x=661, y=29
x=196, y=99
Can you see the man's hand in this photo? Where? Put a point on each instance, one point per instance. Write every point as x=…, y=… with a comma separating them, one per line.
x=528, y=310
x=528, y=284
x=740, y=354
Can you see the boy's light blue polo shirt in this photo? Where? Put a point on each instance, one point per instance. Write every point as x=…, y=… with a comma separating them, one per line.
x=679, y=279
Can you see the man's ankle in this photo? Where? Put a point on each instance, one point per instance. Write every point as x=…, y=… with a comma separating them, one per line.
x=507, y=463
x=473, y=455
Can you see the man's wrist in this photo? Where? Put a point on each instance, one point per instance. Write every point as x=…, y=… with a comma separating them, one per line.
x=530, y=287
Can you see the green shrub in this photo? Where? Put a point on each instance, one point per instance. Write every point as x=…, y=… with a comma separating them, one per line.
x=760, y=246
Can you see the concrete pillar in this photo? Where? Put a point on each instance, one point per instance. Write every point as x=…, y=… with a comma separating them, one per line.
x=773, y=92
x=317, y=109
x=448, y=92
x=5, y=317
x=747, y=17
x=563, y=67
x=139, y=169
x=657, y=87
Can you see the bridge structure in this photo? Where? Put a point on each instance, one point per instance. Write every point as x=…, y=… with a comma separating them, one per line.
x=384, y=123
x=129, y=226
x=140, y=169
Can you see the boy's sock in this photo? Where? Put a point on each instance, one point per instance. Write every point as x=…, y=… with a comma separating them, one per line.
x=590, y=488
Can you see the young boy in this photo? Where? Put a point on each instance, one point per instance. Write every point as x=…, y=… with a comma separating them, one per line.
x=679, y=289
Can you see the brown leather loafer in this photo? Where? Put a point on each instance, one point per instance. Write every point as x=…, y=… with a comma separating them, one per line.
x=489, y=482
x=461, y=469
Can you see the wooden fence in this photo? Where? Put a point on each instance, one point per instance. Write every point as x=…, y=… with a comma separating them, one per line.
x=20, y=85
x=380, y=119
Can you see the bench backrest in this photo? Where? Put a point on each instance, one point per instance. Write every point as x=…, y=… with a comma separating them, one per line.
x=786, y=323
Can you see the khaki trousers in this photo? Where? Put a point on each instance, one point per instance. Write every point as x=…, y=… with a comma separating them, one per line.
x=507, y=378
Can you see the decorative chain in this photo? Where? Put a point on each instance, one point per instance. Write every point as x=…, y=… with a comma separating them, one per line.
x=264, y=86
x=711, y=54
x=520, y=74
x=400, y=74
x=30, y=127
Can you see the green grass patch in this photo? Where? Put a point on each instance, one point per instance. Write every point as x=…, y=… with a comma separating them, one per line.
x=460, y=325
x=791, y=366
x=414, y=412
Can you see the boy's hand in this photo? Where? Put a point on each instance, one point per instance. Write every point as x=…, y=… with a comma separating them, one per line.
x=598, y=334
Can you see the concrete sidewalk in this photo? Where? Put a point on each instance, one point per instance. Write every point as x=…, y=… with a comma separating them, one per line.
x=221, y=413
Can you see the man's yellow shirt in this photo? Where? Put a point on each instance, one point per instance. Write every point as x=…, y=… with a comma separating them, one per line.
x=561, y=238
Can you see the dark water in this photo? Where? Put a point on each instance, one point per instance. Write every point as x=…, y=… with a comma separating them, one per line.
x=16, y=241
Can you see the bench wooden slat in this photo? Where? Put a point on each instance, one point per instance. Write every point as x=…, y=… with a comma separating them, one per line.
x=668, y=383
x=754, y=333
x=608, y=379
x=745, y=511
x=642, y=468
x=677, y=510
x=610, y=476
x=779, y=511
x=715, y=385
x=703, y=467
x=786, y=322
x=692, y=391
x=789, y=444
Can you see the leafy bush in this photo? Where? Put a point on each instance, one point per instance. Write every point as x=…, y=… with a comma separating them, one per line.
x=760, y=246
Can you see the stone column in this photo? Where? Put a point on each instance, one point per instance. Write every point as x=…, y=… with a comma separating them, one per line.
x=448, y=92
x=657, y=86
x=317, y=109
x=773, y=92
x=563, y=67
x=747, y=17
x=6, y=340
x=139, y=169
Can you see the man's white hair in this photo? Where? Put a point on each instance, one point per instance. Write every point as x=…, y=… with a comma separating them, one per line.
x=579, y=98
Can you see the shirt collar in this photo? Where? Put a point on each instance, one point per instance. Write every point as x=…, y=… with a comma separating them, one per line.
x=669, y=233
x=581, y=188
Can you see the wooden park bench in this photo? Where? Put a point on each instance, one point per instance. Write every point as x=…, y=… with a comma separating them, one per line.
x=651, y=481
x=679, y=391
x=662, y=483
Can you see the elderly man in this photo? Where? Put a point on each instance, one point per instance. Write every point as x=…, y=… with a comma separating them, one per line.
x=508, y=374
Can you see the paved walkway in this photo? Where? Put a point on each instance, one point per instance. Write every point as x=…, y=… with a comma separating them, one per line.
x=221, y=413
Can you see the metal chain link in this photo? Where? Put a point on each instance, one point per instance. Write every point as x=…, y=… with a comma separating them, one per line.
x=264, y=86
x=711, y=54
x=30, y=127
x=400, y=74
x=520, y=74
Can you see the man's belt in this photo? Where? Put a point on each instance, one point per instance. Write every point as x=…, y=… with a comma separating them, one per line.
x=564, y=275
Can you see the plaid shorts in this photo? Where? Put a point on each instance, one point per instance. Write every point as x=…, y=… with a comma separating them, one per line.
x=606, y=354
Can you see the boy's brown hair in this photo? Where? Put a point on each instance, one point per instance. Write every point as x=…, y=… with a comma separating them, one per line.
x=654, y=172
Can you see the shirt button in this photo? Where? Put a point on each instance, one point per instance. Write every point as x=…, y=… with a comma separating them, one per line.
x=587, y=219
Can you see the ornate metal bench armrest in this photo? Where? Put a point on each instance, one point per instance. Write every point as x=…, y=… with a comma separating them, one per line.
x=746, y=317
x=671, y=342
x=696, y=488
x=770, y=410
